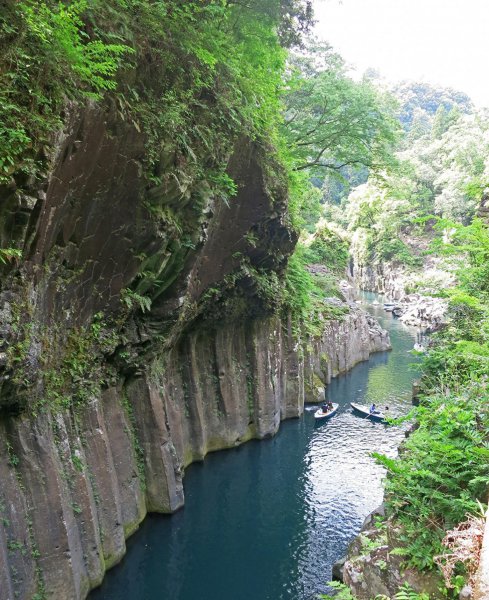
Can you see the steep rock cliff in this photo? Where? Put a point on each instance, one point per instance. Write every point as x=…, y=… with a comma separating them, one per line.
x=138, y=333
x=395, y=282
x=77, y=482
x=343, y=344
x=381, y=279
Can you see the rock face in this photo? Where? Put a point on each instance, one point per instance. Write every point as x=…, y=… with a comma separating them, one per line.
x=421, y=311
x=371, y=570
x=343, y=344
x=98, y=469
x=138, y=333
x=418, y=310
x=379, y=279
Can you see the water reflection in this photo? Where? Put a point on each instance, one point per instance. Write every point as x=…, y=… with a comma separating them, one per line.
x=267, y=520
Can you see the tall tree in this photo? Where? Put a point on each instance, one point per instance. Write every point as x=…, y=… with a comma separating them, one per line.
x=332, y=121
x=292, y=18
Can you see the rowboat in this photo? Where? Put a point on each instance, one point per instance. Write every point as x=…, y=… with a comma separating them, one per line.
x=363, y=410
x=319, y=414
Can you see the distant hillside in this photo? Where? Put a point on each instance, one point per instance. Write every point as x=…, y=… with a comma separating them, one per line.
x=418, y=100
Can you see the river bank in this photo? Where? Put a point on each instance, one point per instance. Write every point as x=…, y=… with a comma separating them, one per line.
x=395, y=284
x=268, y=519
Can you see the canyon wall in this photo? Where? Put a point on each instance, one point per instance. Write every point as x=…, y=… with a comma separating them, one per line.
x=76, y=483
x=380, y=278
x=395, y=282
x=343, y=344
x=141, y=329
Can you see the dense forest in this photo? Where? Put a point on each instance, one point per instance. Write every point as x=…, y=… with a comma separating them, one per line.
x=375, y=175
x=421, y=216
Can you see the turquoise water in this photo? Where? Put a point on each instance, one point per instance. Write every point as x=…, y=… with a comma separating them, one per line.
x=267, y=520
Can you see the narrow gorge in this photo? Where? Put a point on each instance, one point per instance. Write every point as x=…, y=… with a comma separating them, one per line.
x=104, y=403
x=194, y=197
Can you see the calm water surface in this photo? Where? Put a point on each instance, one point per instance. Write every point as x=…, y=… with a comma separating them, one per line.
x=267, y=520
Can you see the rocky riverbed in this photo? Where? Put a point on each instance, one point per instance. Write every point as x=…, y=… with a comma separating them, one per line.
x=416, y=309
x=371, y=569
x=420, y=311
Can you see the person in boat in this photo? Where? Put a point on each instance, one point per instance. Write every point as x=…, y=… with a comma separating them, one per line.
x=330, y=405
x=373, y=409
x=324, y=408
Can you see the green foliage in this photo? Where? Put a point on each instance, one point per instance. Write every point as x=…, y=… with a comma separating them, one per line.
x=193, y=75
x=343, y=592
x=305, y=297
x=396, y=251
x=47, y=57
x=437, y=480
x=443, y=472
x=77, y=463
x=443, y=120
x=419, y=99
x=13, y=459
x=132, y=300
x=72, y=366
x=407, y=593
x=332, y=121
x=300, y=288
x=328, y=249
x=440, y=173
x=380, y=215
x=473, y=243
x=58, y=32
x=293, y=18
x=9, y=255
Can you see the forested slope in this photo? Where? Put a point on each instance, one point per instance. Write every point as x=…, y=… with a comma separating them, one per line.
x=159, y=162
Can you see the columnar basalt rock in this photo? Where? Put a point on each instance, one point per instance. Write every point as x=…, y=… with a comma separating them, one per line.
x=135, y=339
x=418, y=310
x=76, y=484
x=343, y=344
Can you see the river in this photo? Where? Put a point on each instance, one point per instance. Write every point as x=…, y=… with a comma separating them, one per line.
x=267, y=520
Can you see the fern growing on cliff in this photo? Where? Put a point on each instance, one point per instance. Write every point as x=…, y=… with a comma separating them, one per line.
x=47, y=56
x=9, y=255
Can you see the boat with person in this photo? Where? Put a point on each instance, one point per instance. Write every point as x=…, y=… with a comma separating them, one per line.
x=363, y=410
x=321, y=414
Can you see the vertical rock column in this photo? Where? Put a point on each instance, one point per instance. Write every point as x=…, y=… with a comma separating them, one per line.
x=292, y=374
x=17, y=562
x=162, y=469
x=265, y=349
x=54, y=539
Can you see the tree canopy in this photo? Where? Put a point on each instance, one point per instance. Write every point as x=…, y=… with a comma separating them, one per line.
x=331, y=121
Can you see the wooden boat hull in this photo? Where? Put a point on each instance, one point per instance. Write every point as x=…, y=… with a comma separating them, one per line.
x=364, y=411
x=319, y=415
